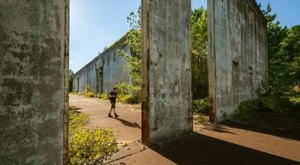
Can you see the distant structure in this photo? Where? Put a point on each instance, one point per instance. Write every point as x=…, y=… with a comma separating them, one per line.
x=105, y=71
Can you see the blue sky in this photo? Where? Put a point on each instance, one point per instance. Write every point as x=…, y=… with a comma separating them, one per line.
x=96, y=24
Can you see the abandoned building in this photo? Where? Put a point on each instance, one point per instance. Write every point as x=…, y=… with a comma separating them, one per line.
x=34, y=62
x=105, y=71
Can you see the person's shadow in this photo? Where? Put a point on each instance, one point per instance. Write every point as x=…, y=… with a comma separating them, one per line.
x=129, y=124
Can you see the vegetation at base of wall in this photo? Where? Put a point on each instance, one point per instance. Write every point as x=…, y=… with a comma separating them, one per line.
x=201, y=106
x=88, y=91
x=266, y=103
x=89, y=94
x=88, y=145
x=128, y=93
x=246, y=107
x=102, y=95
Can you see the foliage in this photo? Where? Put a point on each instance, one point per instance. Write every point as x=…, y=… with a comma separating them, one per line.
x=247, y=107
x=128, y=93
x=71, y=80
x=87, y=145
x=284, y=69
x=103, y=95
x=199, y=53
x=202, y=118
x=77, y=120
x=201, y=106
x=261, y=104
x=88, y=91
x=295, y=100
x=133, y=64
x=284, y=56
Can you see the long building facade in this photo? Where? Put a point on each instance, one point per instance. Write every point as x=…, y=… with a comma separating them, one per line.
x=105, y=71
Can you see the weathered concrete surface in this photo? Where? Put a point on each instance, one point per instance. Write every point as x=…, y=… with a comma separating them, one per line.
x=238, y=60
x=105, y=71
x=33, y=46
x=166, y=87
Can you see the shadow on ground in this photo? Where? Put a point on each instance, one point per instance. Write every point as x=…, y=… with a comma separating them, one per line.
x=279, y=133
x=217, y=128
x=285, y=125
x=74, y=109
x=201, y=149
x=129, y=124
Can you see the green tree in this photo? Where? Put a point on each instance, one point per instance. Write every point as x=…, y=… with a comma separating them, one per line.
x=199, y=53
x=283, y=51
x=133, y=40
x=290, y=59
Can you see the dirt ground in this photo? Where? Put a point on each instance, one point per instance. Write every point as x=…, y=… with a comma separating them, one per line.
x=127, y=127
x=228, y=143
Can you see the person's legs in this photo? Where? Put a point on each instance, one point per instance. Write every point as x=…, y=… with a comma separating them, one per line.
x=111, y=108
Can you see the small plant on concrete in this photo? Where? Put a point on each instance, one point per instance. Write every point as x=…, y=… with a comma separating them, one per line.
x=88, y=145
x=88, y=91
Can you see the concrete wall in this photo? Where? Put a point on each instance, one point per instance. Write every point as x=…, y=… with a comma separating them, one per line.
x=238, y=58
x=166, y=87
x=33, y=46
x=113, y=71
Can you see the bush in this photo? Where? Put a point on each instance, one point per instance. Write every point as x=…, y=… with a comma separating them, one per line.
x=77, y=120
x=89, y=94
x=276, y=104
x=103, y=95
x=88, y=91
x=128, y=93
x=201, y=106
x=247, y=107
x=295, y=100
x=87, y=145
x=264, y=103
x=129, y=99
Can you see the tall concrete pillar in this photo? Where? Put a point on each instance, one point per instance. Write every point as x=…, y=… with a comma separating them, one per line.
x=166, y=73
x=33, y=64
x=238, y=54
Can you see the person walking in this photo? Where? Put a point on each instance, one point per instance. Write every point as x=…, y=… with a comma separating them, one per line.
x=113, y=99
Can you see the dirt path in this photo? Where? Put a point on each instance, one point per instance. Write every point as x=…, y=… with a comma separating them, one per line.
x=212, y=144
x=126, y=128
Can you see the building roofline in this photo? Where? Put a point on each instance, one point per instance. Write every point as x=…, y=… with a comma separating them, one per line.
x=121, y=43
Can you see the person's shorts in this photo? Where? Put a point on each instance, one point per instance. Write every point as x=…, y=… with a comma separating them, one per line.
x=113, y=104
